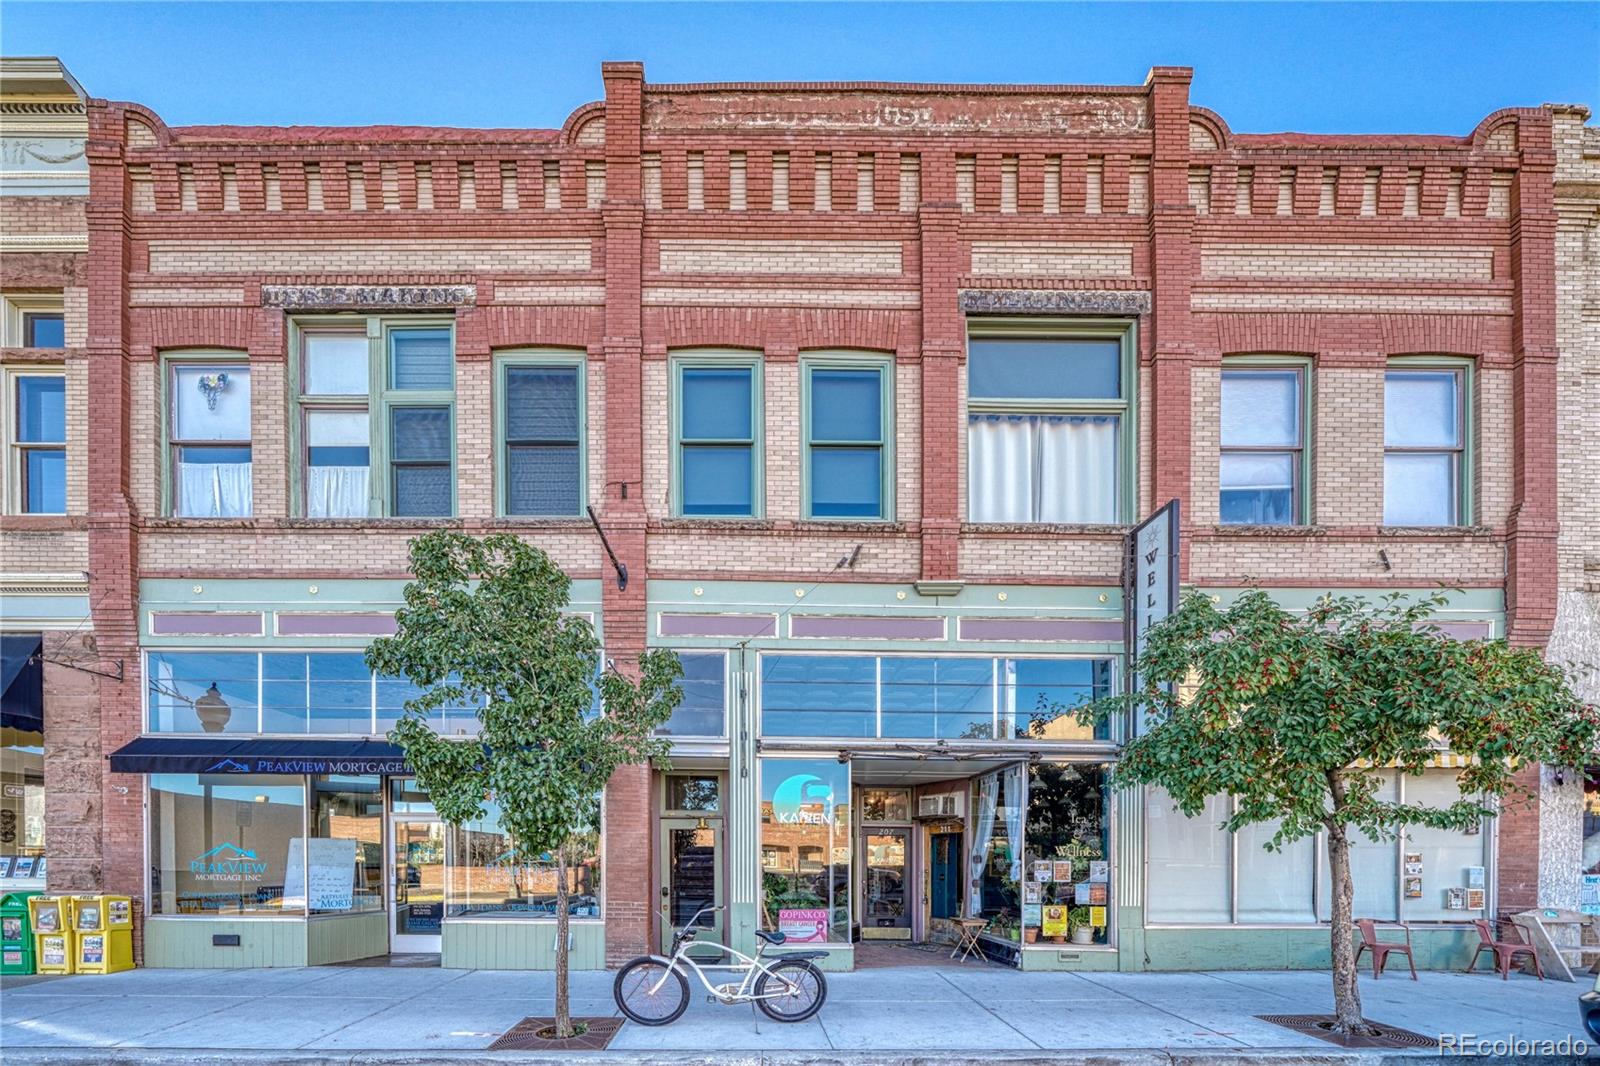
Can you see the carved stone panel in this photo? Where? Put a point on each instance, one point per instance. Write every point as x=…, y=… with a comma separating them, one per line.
x=1054, y=302
x=894, y=111
x=368, y=297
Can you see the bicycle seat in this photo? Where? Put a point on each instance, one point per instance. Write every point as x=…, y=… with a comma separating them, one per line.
x=771, y=938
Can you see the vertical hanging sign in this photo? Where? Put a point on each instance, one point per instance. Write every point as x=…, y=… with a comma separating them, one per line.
x=1149, y=587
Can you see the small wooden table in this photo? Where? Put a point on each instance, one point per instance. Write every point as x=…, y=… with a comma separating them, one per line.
x=968, y=929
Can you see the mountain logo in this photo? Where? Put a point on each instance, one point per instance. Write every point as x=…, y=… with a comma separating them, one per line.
x=227, y=766
x=229, y=851
x=227, y=862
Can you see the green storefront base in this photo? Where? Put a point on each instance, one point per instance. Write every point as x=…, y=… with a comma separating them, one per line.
x=188, y=943
x=513, y=944
x=1302, y=948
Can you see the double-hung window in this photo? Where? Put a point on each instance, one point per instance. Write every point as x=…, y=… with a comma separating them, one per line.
x=377, y=419
x=1048, y=434
x=542, y=428
x=210, y=453
x=1424, y=446
x=848, y=471
x=38, y=432
x=718, y=437
x=1263, y=446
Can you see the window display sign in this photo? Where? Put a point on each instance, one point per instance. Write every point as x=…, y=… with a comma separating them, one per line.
x=808, y=926
x=1589, y=895
x=1054, y=922
x=1099, y=871
x=328, y=869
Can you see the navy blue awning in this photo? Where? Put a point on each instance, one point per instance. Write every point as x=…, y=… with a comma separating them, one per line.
x=258, y=755
x=21, y=682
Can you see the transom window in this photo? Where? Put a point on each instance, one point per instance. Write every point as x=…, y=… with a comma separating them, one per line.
x=209, y=449
x=1424, y=445
x=377, y=419
x=847, y=474
x=36, y=424
x=719, y=415
x=543, y=430
x=1263, y=446
x=1047, y=435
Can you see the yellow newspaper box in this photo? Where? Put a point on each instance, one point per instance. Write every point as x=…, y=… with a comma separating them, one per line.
x=102, y=934
x=52, y=952
x=50, y=914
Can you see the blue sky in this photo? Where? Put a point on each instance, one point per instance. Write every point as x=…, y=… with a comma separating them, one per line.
x=1320, y=67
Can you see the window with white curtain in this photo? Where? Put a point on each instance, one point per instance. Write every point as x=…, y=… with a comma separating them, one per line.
x=336, y=430
x=1262, y=446
x=1045, y=428
x=1423, y=447
x=210, y=440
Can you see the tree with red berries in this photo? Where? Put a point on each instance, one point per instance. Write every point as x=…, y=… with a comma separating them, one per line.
x=1299, y=716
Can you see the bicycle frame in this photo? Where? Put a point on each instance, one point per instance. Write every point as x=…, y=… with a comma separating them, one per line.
x=749, y=965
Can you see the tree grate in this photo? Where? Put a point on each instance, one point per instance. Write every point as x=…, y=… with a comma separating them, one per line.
x=1321, y=1027
x=535, y=1034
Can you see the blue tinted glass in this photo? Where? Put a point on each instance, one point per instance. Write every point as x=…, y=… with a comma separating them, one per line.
x=1037, y=696
x=393, y=694
x=45, y=488
x=1257, y=488
x=341, y=693
x=180, y=698
x=1025, y=368
x=337, y=456
x=44, y=330
x=716, y=404
x=949, y=699
x=716, y=481
x=542, y=403
x=542, y=479
x=41, y=410
x=818, y=696
x=191, y=453
x=846, y=405
x=701, y=712
x=846, y=482
x=420, y=434
x=420, y=359
x=422, y=491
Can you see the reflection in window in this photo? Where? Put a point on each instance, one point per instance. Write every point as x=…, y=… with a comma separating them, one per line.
x=951, y=699
x=805, y=849
x=1037, y=697
x=491, y=877
x=704, y=686
x=693, y=792
x=996, y=828
x=1423, y=449
x=22, y=852
x=1262, y=439
x=224, y=845
x=329, y=692
x=39, y=440
x=346, y=828
x=885, y=804
x=819, y=696
x=202, y=692
x=1066, y=860
x=716, y=435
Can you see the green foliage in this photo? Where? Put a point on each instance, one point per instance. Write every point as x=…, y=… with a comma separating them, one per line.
x=483, y=626
x=1296, y=716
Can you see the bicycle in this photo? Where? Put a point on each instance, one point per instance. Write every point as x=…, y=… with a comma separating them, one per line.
x=652, y=989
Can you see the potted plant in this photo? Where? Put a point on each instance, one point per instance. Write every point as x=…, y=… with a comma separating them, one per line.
x=1082, y=931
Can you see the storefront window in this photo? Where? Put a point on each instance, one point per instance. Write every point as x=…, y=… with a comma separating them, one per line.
x=819, y=695
x=324, y=692
x=1591, y=821
x=491, y=877
x=203, y=692
x=223, y=844
x=704, y=685
x=1037, y=697
x=22, y=759
x=347, y=836
x=1439, y=867
x=393, y=693
x=1374, y=869
x=885, y=804
x=996, y=828
x=693, y=792
x=806, y=848
x=1066, y=868
x=948, y=699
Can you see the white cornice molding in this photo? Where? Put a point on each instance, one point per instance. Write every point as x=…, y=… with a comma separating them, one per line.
x=44, y=242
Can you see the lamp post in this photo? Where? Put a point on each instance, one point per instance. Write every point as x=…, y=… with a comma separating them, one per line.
x=212, y=710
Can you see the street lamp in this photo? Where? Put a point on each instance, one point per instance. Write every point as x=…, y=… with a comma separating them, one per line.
x=212, y=710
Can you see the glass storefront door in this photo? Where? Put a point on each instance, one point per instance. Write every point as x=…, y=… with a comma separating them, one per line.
x=885, y=869
x=417, y=882
x=691, y=878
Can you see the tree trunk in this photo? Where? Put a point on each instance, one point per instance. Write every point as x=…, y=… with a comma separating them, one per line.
x=563, y=1006
x=1346, y=992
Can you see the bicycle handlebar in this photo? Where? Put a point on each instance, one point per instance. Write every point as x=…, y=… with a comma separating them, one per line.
x=691, y=922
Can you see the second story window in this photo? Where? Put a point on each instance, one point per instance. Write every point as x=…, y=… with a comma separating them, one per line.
x=44, y=329
x=33, y=320
x=377, y=420
x=846, y=474
x=210, y=445
x=1424, y=433
x=543, y=431
x=38, y=430
x=717, y=430
x=1047, y=439
x=1263, y=443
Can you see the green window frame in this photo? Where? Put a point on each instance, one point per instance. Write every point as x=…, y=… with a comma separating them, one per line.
x=220, y=359
x=881, y=366
x=22, y=453
x=504, y=364
x=687, y=364
x=1463, y=369
x=381, y=403
x=1125, y=407
x=1303, y=508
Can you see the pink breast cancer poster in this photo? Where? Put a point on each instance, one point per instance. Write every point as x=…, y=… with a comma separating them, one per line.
x=804, y=926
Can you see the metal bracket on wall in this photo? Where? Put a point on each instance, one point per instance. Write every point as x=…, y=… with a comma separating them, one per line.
x=119, y=675
x=616, y=564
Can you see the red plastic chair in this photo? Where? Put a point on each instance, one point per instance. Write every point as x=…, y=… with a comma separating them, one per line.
x=1506, y=952
x=1381, y=948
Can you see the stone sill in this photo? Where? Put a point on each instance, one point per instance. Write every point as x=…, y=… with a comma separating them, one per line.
x=1009, y=529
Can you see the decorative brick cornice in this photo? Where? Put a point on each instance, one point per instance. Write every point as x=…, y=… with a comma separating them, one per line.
x=367, y=297
x=1054, y=301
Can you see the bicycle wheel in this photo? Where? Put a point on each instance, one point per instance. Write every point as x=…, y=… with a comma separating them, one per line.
x=647, y=991
x=796, y=988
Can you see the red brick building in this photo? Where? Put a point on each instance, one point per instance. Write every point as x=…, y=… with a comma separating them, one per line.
x=865, y=384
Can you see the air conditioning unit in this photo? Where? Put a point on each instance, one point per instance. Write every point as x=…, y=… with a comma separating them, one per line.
x=939, y=805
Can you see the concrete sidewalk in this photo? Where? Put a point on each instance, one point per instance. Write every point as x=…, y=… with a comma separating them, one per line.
x=336, y=1013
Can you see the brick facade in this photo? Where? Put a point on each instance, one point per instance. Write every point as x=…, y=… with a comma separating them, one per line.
x=784, y=219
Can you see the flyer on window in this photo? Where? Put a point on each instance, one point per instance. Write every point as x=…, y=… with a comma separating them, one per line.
x=1475, y=877
x=1099, y=871
x=1042, y=869
x=1413, y=888
x=1062, y=872
x=1474, y=899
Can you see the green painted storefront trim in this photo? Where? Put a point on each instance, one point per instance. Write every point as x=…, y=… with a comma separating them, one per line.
x=186, y=942
x=883, y=365
x=1293, y=948
x=510, y=359
x=512, y=944
x=345, y=939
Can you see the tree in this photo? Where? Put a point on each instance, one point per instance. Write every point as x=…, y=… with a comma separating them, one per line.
x=1298, y=716
x=483, y=626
